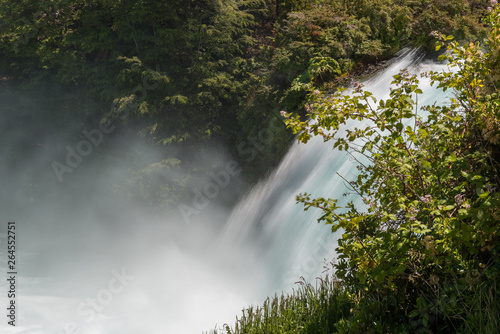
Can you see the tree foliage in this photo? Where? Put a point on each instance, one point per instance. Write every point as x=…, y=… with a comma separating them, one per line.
x=194, y=48
x=206, y=56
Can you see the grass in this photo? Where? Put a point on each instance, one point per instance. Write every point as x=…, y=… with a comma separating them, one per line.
x=308, y=309
x=480, y=312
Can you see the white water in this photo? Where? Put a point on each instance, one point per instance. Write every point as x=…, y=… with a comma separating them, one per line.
x=178, y=278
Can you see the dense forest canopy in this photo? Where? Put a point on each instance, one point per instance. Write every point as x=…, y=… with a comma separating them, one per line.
x=184, y=73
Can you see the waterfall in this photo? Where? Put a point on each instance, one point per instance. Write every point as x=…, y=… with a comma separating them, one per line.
x=287, y=240
x=88, y=264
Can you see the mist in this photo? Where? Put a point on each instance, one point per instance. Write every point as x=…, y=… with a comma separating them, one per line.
x=96, y=252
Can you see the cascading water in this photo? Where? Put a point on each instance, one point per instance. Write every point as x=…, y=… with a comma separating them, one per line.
x=288, y=240
x=87, y=264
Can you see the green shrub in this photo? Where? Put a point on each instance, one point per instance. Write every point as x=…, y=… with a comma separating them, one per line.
x=430, y=231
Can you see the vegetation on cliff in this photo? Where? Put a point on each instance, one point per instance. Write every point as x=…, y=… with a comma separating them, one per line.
x=184, y=73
